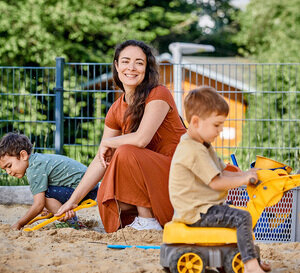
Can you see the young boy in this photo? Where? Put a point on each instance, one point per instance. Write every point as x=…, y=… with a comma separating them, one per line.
x=52, y=178
x=198, y=183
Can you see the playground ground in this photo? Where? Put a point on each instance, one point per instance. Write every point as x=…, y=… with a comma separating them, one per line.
x=67, y=250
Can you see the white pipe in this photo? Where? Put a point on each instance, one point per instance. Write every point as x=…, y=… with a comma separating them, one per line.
x=177, y=50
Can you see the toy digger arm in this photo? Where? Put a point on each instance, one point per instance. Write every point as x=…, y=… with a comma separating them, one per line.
x=269, y=192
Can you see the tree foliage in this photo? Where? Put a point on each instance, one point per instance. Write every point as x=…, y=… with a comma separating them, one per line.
x=216, y=25
x=269, y=35
x=34, y=32
x=270, y=31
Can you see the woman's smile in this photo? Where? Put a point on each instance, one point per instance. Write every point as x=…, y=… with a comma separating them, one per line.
x=130, y=75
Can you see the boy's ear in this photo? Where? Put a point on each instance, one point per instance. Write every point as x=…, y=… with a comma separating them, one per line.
x=195, y=121
x=24, y=155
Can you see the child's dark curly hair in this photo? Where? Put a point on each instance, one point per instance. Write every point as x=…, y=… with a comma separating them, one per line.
x=13, y=143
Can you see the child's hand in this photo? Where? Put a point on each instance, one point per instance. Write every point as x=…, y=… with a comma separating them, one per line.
x=251, y=176
x=44, y=212
x=16, y=226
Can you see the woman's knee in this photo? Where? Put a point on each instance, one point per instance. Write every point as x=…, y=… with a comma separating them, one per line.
x=125, y=151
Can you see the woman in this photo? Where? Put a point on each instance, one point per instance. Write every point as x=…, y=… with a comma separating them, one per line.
x=142, y=129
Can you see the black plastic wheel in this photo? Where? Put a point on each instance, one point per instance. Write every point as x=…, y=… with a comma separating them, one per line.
x=188, y=260
x=233, y=262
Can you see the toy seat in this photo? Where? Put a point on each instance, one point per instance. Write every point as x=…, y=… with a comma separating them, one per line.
x=179, y=233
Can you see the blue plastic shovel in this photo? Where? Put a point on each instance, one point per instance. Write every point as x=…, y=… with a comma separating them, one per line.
x=127, y=246
x=234, y=160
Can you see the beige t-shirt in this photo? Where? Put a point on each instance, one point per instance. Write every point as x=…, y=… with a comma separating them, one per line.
x=192, y=169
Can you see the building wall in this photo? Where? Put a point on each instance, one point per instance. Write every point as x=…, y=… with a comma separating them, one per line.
x=232, y=133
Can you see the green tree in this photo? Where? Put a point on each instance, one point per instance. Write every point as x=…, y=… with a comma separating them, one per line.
x=34, y=32
x=270, y=34
x=215, y=25
x=270, y=31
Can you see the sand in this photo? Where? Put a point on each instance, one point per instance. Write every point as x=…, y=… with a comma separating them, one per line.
x=67, y=250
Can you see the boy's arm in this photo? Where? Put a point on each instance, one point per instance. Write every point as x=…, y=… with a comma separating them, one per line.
x=230, y=173
x=35, y=209
x=225, y=181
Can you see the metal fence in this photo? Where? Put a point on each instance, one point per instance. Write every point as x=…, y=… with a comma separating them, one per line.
x=62, y=110
x=279, y=223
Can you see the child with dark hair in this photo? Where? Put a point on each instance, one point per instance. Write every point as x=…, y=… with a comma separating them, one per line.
x=52, y=178
x=199, y=183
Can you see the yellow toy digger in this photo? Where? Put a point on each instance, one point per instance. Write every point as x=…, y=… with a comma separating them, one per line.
x=190, y=249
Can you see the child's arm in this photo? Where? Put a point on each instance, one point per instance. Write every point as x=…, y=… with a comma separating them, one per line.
x=225, y=181
x=35, y=209
x=229, y=173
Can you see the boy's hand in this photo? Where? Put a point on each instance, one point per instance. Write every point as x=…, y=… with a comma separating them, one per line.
x=251, y=176
x=16, y=226
x=45, y=212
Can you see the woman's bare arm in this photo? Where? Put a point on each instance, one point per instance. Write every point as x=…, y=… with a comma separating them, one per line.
x=154, y=114
x=93, y=175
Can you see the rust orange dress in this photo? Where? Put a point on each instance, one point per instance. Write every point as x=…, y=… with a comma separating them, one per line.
x=139, y=176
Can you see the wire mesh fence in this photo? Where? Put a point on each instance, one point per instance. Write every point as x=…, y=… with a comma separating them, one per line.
x=263, y=120
x=277, y=223
x=27, y=105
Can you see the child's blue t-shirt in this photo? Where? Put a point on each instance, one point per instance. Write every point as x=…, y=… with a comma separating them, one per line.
x=53, y=170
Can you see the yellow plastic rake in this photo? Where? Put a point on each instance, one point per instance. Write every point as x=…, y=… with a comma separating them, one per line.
x=85, y=204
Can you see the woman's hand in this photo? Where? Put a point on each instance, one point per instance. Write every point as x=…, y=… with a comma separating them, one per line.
x=105, y=155
x=66, y=208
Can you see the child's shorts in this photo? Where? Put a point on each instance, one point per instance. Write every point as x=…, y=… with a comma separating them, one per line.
x=63, y=194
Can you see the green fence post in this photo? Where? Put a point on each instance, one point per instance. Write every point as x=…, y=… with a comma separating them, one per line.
x=59, y=111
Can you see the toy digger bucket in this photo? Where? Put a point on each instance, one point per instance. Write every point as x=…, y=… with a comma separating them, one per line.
x=267, y=163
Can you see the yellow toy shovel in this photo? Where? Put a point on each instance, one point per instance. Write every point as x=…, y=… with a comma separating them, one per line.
x=85, y=204
x=49, y=215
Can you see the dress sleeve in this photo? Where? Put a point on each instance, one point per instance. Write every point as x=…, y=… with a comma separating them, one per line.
x=111, y=118
x=161, y=93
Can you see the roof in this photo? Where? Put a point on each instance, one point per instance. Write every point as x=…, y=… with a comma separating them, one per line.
x=234, y=71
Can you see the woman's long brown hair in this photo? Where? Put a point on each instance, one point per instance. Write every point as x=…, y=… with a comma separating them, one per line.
x=136, y=109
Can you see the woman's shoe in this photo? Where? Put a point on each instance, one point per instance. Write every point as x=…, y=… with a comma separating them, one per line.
x=141, y=223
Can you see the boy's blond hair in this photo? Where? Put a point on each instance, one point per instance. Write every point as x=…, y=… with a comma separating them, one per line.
x=204, y=101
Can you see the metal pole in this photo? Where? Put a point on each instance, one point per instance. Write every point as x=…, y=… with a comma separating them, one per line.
x=177, y=75
x=296, y=215
x=59, y=114
x=178, y=49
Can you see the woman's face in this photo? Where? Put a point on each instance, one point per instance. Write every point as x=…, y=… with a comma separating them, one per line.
x=131, y=67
